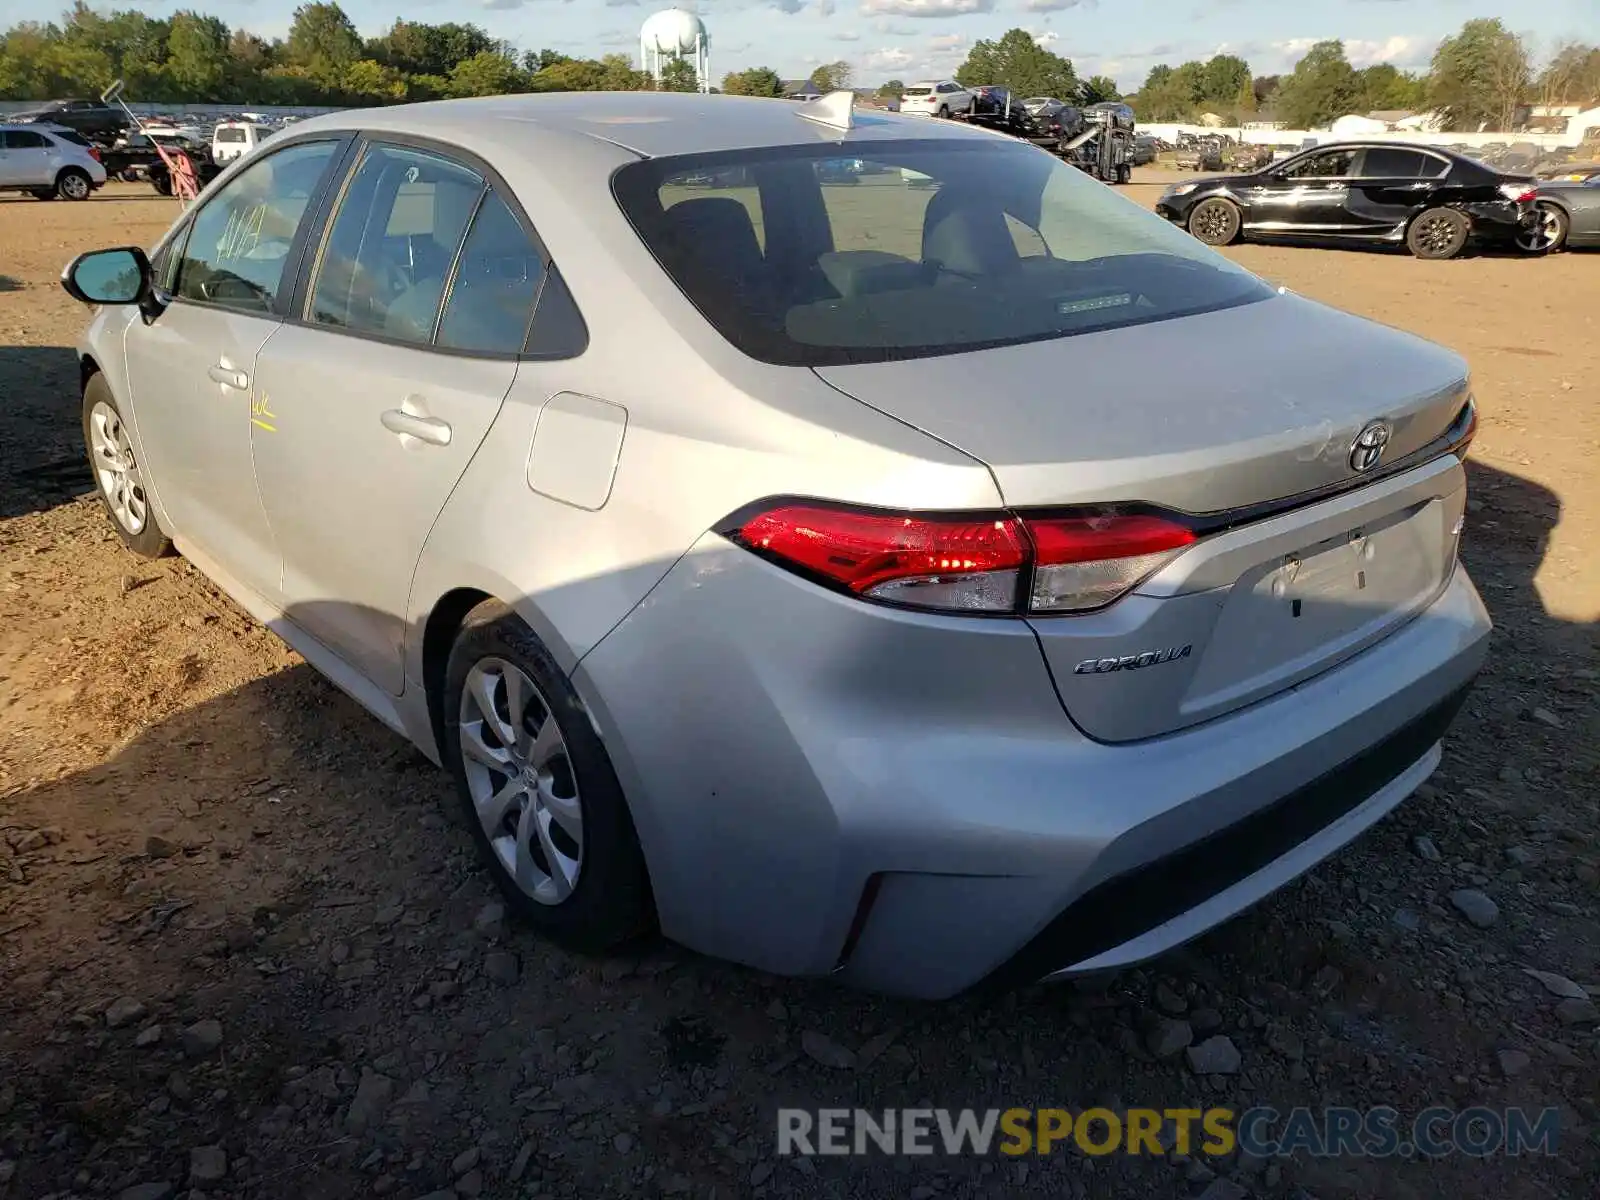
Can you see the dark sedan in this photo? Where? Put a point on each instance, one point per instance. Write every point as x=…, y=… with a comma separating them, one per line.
x=1431, y=201
x=1569, y=215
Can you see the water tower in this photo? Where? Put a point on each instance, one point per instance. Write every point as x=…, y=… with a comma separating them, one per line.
x=674, y=33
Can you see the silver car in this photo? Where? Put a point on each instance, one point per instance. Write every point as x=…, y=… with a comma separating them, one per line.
x=801, y=567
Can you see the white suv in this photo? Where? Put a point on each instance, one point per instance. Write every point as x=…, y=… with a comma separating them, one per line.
x=936, y=98
x=48, y=162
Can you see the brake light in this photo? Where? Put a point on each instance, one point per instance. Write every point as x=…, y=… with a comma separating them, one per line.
x=94, y=153
x=969, y=562
x=1520, y=193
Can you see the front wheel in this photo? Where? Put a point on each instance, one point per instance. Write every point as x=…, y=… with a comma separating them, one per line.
x=118, y=476
x=540, y=794
x=73, y=184
x=1215, y=221
x=1547, y=234
x=1438, y=233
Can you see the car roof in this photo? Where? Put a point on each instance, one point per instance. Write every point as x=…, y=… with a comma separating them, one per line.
x=649, y=124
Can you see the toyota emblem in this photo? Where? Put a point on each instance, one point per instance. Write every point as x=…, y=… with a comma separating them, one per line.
x=1369, y=445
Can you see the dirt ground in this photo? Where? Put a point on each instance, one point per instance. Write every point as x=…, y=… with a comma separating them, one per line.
x=245, y=952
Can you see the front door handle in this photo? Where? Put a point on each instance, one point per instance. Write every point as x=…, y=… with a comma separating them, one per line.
x=425, y=429
x=229, y=377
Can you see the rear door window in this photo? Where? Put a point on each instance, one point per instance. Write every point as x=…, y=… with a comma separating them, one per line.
x=1395, y=162
x=393, y=242
x=496, y=284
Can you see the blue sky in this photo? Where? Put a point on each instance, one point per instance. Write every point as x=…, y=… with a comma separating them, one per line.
x=908, y=39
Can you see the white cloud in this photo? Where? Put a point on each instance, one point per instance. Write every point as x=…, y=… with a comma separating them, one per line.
x=1401, y=51
x=927, y=8
x=890, y=58
x=890, y=29
x=945, y=41
x=1055, y=5
x=1045, y=37
x=846, y=35
x=825, y=8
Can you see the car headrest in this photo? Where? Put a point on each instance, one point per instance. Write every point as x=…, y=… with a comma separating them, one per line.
x=965, y=231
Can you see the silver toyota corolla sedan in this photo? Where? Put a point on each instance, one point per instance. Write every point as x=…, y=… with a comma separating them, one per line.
x=880, y=570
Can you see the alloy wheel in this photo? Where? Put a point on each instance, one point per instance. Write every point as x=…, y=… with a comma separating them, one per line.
x=75, y=187
x=521, y=780
x=1437, y=234
x=115, y=469
x=1542, y=235
x=1211, y=222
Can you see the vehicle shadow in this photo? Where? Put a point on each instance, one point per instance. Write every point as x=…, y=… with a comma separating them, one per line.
x=275, y=859
x=8, y=284
x=42, y=459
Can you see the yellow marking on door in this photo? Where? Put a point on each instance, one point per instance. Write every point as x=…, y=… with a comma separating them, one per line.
x=263, y=425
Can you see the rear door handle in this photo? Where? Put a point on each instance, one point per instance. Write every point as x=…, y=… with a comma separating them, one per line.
x=425, y=429
x=229, y=377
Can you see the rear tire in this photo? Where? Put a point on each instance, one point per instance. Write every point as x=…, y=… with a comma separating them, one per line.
x=1215, y=221
x=1438, y=233
x=73, y=184
x=944, y=111
x=162, y=183
x=118, y=477
x=1549, y=234
x=578, y=875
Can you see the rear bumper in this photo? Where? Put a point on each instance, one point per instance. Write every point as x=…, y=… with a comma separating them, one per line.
x=1500, y=220
x=828, y=786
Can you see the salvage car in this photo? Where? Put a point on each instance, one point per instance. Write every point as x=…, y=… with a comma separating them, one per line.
x=805, y=575
x=1434, y=203
x=1568, y=215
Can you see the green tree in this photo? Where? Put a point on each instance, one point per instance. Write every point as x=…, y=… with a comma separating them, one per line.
x=1480, y=76
x=367, y=81
x=832, y=77
x=1322, y=88
x=197, y=57
x=1385, y=86
x=679, y=76
x=757, y=81
x=1244, y=101
x=1099, y=88
x=1018, y=62
x=487, y=73
x=538, y=60
x=1223, y=78
x=323, y=41
x=893, y=89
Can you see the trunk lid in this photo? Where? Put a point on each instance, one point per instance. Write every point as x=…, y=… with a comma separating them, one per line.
x=1209, y=415
x=1204, y=413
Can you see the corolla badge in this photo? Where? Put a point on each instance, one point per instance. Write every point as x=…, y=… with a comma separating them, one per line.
x=1132, y=662
x=1369, y=445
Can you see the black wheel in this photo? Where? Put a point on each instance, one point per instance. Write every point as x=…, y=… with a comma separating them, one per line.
x=1548, y=233
x=1438, y=233
x=118, y=476
x=1215, y=221
x=944, y=110
x=73, y=184
x=1124, y=173
x=541, y=798
x=162, y=183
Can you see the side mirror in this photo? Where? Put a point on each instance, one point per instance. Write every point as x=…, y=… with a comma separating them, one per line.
x=120, y=276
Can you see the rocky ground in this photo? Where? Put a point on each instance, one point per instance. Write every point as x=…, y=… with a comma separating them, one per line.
x=245, y=951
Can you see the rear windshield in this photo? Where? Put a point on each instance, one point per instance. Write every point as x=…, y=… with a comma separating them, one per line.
x=919, y=91
x=230, y=135
x=802, y=257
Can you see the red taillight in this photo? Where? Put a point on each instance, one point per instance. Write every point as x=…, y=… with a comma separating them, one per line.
x=94, y=153
x=967, y=562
